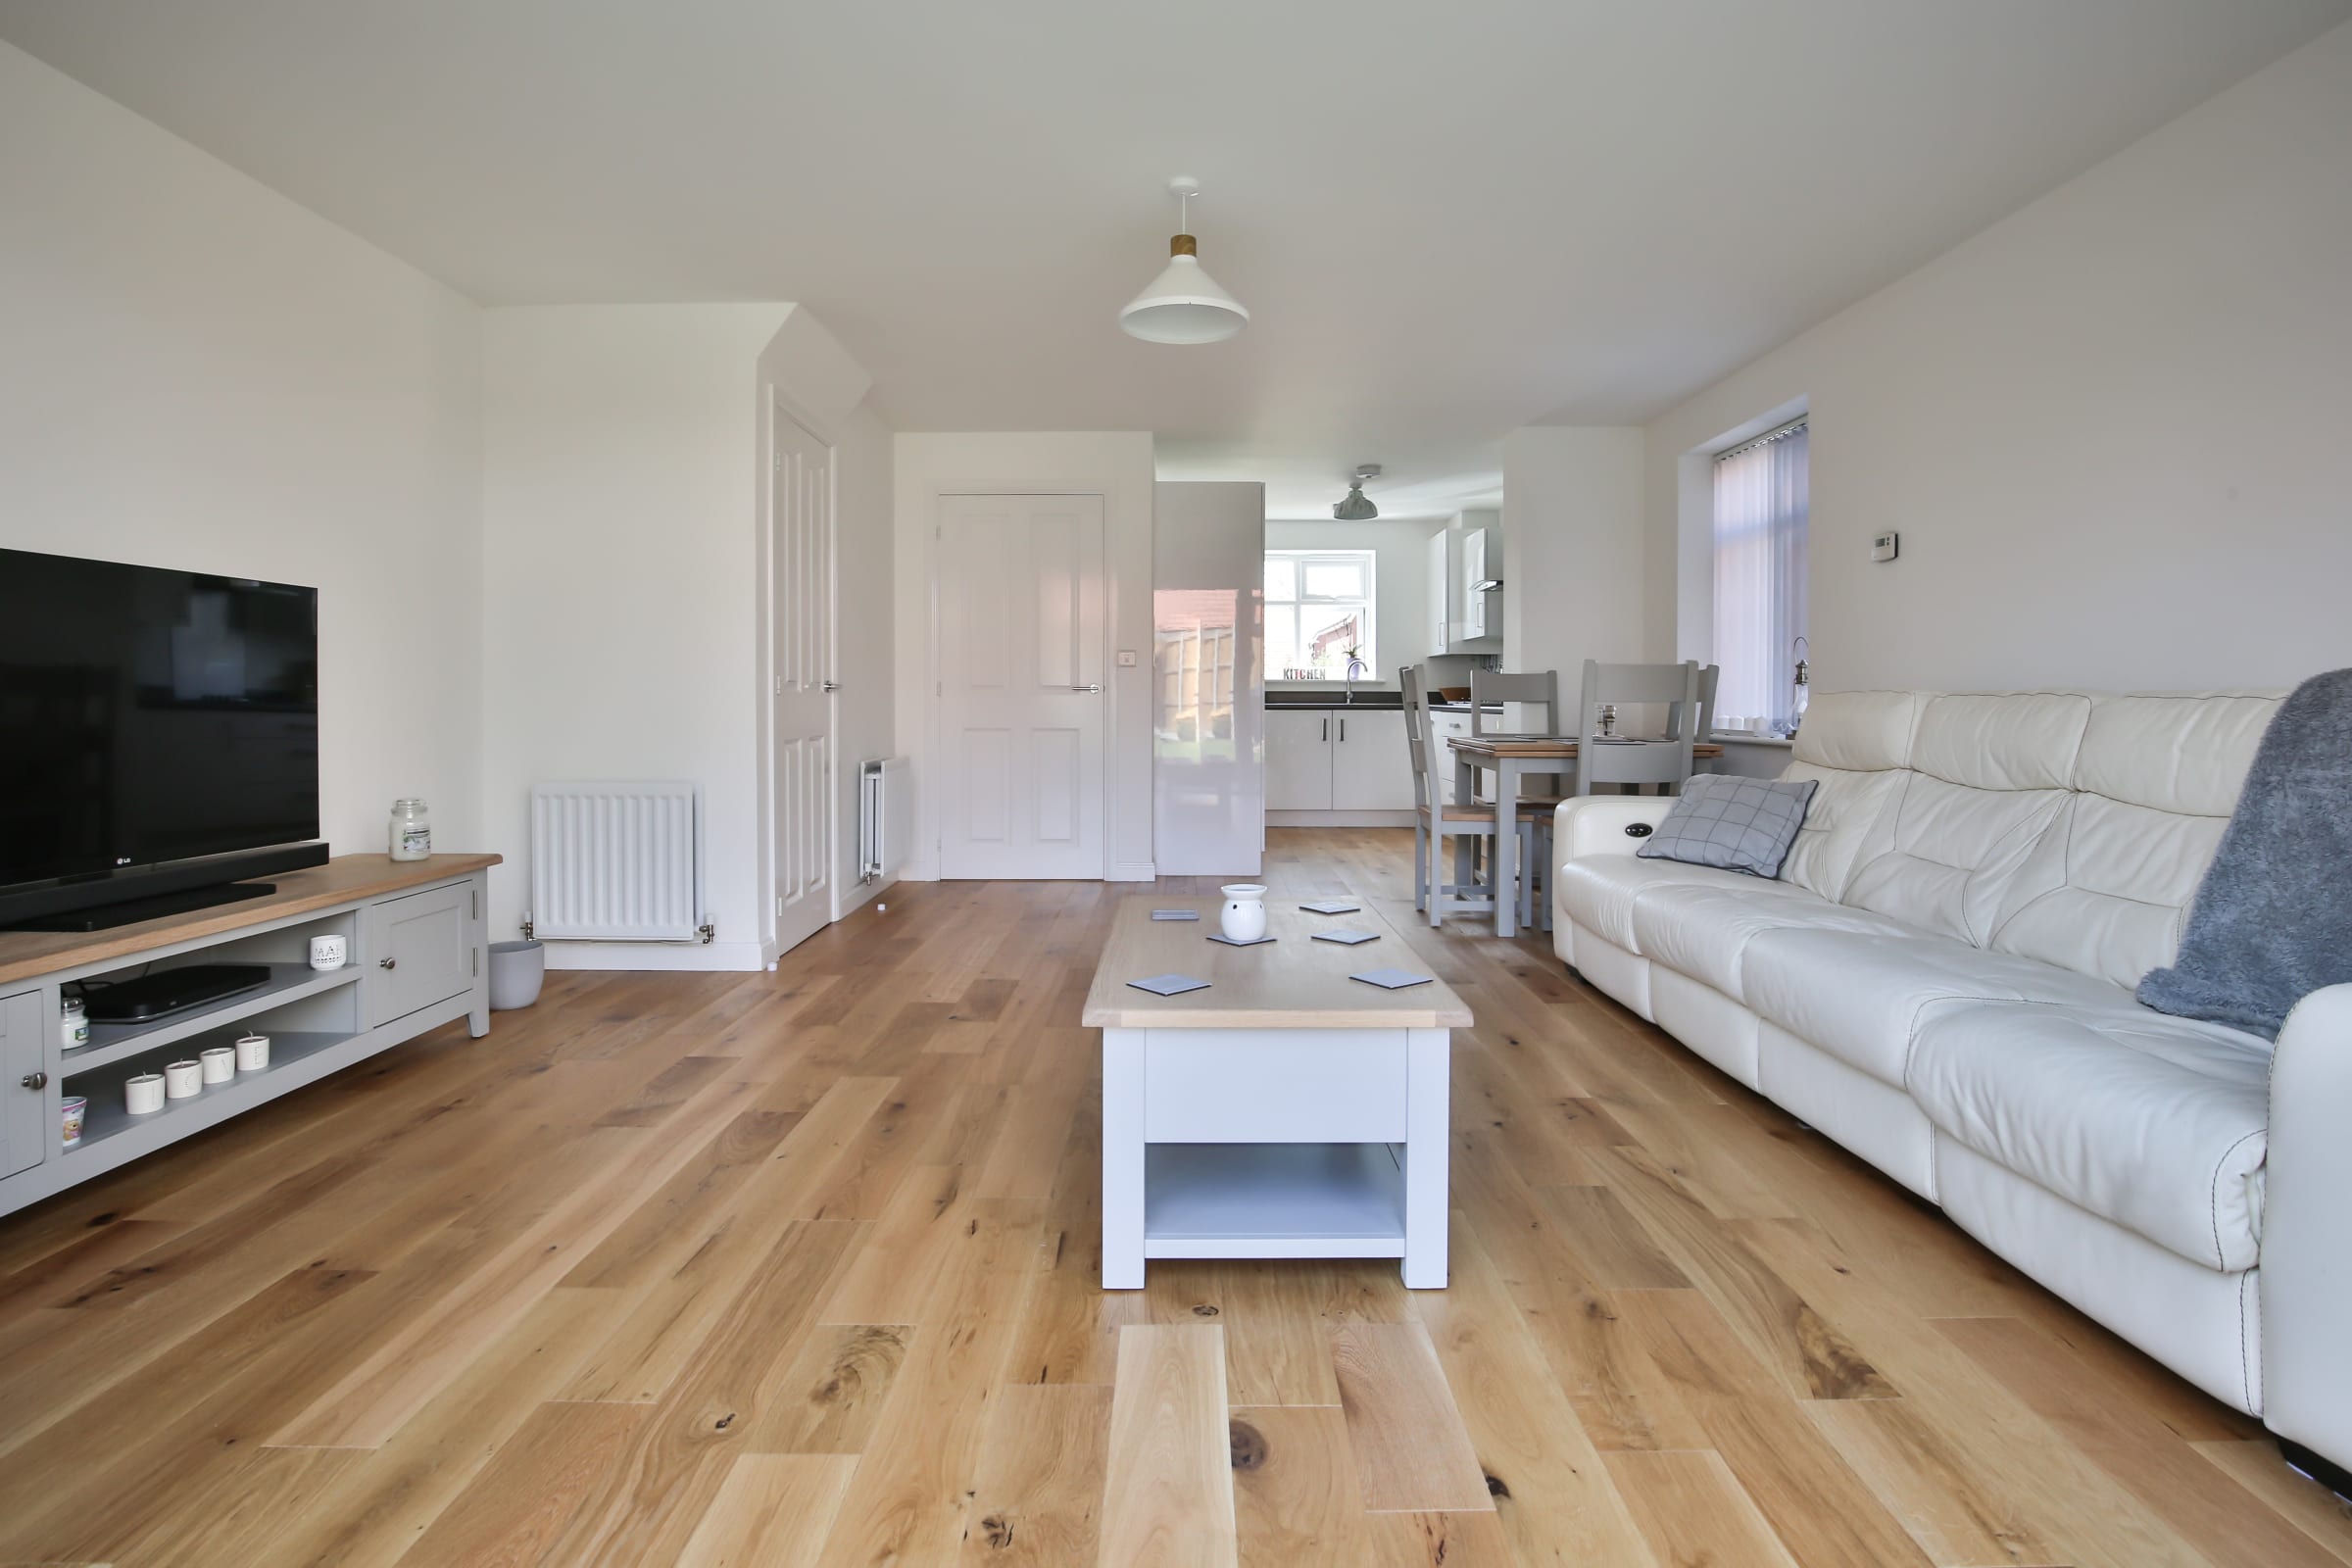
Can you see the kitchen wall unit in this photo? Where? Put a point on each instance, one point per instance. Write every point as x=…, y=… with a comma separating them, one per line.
x=1461, y=618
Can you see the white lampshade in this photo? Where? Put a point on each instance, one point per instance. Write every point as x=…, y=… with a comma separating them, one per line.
x=1184, y=305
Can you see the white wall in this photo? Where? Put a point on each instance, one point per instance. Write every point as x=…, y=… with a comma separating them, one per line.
x=1116, y=464
x=1400, y=582
x=2110, y=428
x=196, y=372
x=1572, y=577
x=620, y=507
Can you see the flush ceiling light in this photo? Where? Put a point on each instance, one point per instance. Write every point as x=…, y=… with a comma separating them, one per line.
x=1357, y=507
x=1183, y=304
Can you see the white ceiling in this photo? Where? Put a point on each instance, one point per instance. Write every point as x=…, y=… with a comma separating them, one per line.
x=1447, y=219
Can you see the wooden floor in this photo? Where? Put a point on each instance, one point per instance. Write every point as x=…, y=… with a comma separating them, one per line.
x=799, y=1269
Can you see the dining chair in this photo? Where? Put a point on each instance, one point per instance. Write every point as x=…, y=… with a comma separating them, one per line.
x=1625, y=759
x=1434, y=822
x=1493, y=687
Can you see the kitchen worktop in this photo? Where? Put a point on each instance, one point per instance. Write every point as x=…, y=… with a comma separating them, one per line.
x=1314, y=699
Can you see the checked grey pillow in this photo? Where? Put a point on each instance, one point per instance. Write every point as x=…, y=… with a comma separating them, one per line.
x=1734, y=824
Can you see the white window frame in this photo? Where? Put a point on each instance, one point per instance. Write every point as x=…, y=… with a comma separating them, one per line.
x=1366, y=561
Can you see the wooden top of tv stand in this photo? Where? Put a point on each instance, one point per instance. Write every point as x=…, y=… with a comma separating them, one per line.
x=345, y=879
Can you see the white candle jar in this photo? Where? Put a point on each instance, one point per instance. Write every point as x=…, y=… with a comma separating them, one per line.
x=412, y=831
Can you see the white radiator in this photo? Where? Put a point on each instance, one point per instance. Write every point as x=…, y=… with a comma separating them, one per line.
x=885, y=816
x=617, y=862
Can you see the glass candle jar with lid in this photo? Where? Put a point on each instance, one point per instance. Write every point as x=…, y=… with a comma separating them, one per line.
x=411, y=836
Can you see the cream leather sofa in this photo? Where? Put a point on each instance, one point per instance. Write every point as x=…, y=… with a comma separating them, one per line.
x=1942, y=981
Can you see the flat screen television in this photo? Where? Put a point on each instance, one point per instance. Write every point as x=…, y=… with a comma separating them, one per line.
x=158, y=738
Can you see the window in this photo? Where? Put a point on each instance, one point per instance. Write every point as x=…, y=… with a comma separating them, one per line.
x=1761, y=508
x=1318, y=614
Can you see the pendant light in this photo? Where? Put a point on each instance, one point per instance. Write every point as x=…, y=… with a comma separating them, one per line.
x=1183, y=304
x=1357, y=507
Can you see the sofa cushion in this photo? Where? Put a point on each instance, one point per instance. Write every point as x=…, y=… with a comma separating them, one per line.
x=1732, y=823
x=1597, y=890
x=1989, y=776
x=2106, y=891
x=1848, y=819
x=1704, y=930
x=1862, y=996
x=1858, y=732
x=2156, y=1123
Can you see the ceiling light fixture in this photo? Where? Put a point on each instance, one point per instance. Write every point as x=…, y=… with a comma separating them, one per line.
x=1357, y=507
x=1183, y=304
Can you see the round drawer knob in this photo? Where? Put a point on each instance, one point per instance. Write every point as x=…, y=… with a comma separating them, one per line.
x=386, y=964
x=35, y=1080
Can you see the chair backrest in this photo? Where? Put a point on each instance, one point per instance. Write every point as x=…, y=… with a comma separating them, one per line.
x=1528, y=687
x=1416, y=736
x=1623, y=760
x=1708, y=675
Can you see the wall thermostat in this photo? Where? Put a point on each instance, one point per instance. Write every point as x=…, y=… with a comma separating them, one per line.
x=1884, y=546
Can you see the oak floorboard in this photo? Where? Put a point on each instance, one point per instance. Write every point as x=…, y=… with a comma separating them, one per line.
x=1167, y=1491
x=1295, y=1500
x=1410, y=1449
x=574, y=1282
x=1038, y=1502
x=771, y=1511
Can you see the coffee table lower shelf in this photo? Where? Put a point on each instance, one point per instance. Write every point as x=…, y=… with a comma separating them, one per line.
x=1273, y=1200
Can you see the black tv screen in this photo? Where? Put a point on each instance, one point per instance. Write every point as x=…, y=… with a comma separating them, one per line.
x=149, y=715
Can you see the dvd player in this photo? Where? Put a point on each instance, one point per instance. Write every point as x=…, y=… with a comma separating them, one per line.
x=165, y=992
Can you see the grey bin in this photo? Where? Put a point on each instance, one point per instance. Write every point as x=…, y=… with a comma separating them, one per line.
x=516, y=970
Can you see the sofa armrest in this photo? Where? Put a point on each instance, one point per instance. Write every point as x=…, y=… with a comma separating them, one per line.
x=2307, y=1230
x=1595, y=824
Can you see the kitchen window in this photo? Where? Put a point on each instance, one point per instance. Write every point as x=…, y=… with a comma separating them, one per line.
x=1761, y=503
x=1319, y=614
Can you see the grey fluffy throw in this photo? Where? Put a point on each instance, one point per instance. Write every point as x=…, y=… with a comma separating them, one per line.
x=2272, y=921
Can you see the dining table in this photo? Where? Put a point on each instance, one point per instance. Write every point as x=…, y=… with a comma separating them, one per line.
x=1510, y=758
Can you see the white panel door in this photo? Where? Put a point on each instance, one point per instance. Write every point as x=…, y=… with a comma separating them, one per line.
x=1371, y=766
x=1022, y=687
x=800, y=554
x=1297, y=760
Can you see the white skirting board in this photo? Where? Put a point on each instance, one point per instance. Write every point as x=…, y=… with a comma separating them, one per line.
x=657, y=956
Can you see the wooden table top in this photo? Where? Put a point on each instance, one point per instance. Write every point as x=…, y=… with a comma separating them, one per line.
x=1544, y=746
x=1292, y=982
x=342, y=880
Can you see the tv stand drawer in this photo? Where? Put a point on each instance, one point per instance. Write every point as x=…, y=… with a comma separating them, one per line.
x=418, y=952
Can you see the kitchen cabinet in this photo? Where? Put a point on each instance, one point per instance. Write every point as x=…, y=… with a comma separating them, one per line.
x=1297, y=760
x=1439, y=623
x=1344, y=760
x=1371, y=769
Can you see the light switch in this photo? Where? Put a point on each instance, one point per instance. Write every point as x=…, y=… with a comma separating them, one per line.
x=1126, y=658
x=1884, y=546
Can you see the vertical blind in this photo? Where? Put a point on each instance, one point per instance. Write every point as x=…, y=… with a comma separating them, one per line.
x=1760, y=506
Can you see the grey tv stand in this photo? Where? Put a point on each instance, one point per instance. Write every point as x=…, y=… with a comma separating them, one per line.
x=418, y=959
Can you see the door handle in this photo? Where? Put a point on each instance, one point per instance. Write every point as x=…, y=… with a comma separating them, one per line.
x=830, y=686
x=1327, y=727
x=1085, y=688
x=1343, y=731
x=387, y=964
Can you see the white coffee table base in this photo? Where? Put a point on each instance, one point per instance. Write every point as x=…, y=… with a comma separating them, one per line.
x=1274, y=1143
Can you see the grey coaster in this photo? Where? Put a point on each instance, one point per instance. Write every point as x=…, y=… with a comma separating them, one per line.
x=1350, y=938
x=1331, y=907
x=1219, y=936
x=1175, y=914
x=1169, y=984
x=1393, y=979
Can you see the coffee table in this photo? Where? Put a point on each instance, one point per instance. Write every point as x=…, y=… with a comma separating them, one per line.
x=1286, y=1111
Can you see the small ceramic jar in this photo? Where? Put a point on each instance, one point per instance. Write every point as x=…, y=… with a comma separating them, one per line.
x=1245, y=915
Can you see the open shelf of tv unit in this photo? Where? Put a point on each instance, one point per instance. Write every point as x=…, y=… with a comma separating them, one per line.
x=288, y=982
